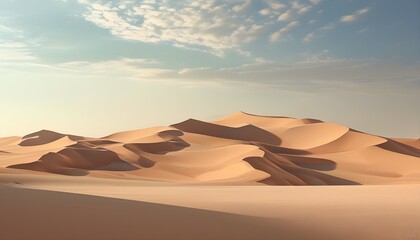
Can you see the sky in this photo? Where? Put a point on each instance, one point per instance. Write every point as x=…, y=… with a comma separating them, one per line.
x=94, y=67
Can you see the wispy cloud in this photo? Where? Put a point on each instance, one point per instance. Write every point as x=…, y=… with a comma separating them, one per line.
x=309, y=37
x=315, y=2
x=292, y=13
x=124, y=68
x=287, y=16
x=275, y=5
x=280, y=33
x=363, y=30
x=215, y=25
x=300, y=8
x=354, y=16
x=14, y=47
x=4, y=28
x=265, y=12
x=328, y=27
x=242, y=7
x=14, y=51
x=315, y=73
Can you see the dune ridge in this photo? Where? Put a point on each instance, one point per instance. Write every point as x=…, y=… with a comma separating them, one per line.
x=238, y=149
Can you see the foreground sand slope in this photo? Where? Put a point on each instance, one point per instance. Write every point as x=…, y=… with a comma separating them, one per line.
x=48, y=207
x=237, y=149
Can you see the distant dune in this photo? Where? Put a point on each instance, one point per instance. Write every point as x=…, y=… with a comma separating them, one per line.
x=238, y=149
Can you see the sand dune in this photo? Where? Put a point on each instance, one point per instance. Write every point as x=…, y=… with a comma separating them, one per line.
x=237, y=149
x=312, y=135
x=44, y=137
x=209, y=180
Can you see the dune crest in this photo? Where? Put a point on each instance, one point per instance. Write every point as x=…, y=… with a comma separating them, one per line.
x=238, y=149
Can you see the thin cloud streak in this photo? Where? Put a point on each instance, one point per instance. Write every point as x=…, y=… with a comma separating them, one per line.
x=312, y=74
x=354, y=16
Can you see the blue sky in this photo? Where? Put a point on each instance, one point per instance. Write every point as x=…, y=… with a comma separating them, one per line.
x=94, y=67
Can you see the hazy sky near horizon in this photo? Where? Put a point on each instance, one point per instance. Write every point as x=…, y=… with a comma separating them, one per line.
x=94, y=67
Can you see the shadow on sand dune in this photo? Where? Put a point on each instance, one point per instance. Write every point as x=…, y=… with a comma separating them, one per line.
x=401, y=148
x=57, y=215
x=245, y=133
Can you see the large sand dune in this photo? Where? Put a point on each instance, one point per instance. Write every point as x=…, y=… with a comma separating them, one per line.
x=237, y=149
x=212, y=180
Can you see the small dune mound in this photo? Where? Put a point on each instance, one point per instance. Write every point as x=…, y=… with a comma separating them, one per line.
x=70, y=160
x=352, y=140
x=312, y=135
x=44, y=137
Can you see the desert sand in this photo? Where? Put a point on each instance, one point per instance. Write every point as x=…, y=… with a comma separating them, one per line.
x=240, y=177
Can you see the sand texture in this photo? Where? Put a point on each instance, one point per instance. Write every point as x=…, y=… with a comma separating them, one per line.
x=232, y=178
